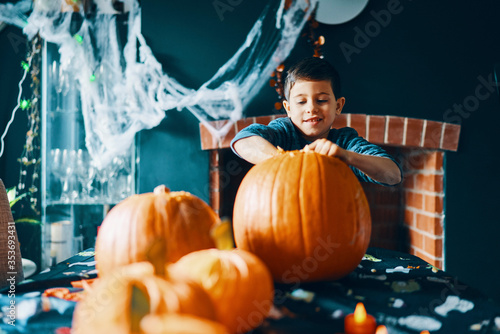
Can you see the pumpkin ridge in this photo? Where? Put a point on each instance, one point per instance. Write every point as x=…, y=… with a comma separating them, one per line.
x=356, y=223
x=151, y=252
x=324, y=192
x=302, y=203
x=357, y=229
x=186, y=215
x=175, y=214
x=132, y=233
x=273, y=190
x=168, y=226
x=170, y=212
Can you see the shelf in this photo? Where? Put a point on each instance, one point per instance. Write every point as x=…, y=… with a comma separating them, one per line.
x=54, y=203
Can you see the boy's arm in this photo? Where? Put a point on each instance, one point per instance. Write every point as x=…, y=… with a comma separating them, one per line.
x=254, y=149
x=381, y=169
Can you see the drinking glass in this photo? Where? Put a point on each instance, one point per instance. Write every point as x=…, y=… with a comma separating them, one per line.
x=85, y=172
x=62, y=162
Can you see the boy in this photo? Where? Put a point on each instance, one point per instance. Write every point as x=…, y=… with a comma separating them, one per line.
x=312, y=101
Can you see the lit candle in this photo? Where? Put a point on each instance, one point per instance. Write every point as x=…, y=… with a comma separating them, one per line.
x=359, y=322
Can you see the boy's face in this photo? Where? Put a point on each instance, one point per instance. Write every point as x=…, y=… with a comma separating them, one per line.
x=312, y=108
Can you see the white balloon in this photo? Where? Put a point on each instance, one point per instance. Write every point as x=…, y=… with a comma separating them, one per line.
x=339, y=11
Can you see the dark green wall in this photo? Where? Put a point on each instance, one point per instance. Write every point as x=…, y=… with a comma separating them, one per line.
x=12, y=52
x=431, y=56
x=192, y=42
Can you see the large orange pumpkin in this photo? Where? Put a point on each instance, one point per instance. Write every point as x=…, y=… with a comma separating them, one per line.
x=118, y=302
x=158, y=227
x=240, y=285
x=305, y=215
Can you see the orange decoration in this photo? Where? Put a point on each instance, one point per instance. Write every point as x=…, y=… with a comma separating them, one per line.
x=278, y=105
x=118, y=302
x=158, y=227
x=63, y=293
x=305, y=215
x=240, y=285
x=360, y=322
x=70, y=6
x=180, y=324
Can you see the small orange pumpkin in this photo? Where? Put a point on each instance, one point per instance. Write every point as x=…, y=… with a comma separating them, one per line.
x=158, y=227
x=239, y=283
x=305, y=215
x=118, y=302
x=174, y=323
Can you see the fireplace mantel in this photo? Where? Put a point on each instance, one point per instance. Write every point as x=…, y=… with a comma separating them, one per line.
x=409, y=217
x=380, y=130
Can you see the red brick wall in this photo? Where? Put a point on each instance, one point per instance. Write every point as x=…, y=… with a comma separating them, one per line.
x=423, y=190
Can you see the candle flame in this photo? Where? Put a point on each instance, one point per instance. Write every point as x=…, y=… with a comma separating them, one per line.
x=360, y=313
x=424, y=332
x=381, y=330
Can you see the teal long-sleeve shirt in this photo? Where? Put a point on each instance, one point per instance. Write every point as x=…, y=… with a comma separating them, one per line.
x=283, y=133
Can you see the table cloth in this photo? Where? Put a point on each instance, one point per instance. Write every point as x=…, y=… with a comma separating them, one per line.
x=402, y=292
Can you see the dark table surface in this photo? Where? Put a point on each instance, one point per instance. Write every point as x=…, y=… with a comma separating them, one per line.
x=401, y=291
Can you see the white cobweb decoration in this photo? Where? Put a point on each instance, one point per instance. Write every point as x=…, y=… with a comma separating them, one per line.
x=131, y=92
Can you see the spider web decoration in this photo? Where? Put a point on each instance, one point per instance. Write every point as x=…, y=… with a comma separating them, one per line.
x=123, y=88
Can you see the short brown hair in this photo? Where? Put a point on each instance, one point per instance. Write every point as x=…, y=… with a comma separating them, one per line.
x=312, y=69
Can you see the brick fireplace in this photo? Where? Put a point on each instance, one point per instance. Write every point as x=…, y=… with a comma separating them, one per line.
x=409, y=217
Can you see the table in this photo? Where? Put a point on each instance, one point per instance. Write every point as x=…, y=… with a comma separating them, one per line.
x=401, y=291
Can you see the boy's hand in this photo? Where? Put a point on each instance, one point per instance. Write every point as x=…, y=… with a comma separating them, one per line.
x=381, y=169
x=326, y=147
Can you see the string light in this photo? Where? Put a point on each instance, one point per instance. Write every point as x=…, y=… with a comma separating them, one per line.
x=25, y=104
x=30, y=157
x=27, y=158
x=20, y=85
x=78, y=38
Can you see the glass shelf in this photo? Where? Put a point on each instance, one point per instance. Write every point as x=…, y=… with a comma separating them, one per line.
x=76, y=195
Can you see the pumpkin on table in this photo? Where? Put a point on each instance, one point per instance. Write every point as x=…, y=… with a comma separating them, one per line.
x=239, y=283
x=305, y=215
x=118, y=302
x=158, y=227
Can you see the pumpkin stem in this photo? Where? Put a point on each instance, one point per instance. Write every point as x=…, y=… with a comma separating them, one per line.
x=156, y=255
x=222, y=234
x=139, y=308
x=161, y=189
